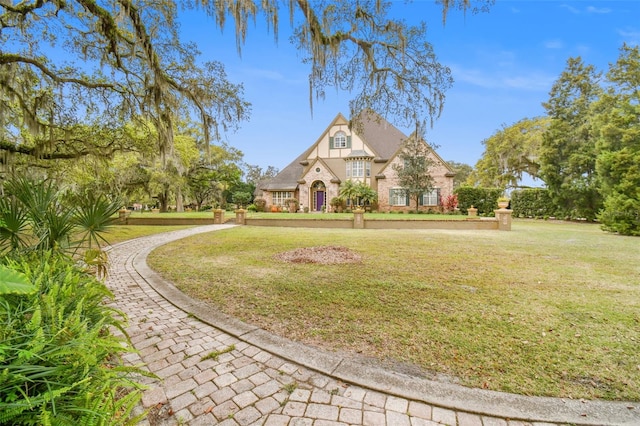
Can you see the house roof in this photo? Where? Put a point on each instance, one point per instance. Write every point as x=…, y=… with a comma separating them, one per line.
x=377, y=133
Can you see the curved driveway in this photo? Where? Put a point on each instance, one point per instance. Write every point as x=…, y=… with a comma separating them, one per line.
x=215, y=370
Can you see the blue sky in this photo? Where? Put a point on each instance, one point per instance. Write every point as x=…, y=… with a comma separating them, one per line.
x=504, y=63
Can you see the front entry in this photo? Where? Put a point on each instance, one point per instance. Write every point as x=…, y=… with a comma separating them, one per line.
x=319, y=195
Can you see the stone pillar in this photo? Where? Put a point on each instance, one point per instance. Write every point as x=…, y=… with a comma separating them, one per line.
x=241, y=216
x=472, y=212
x=358, y=219
x=122, y=215
x=218, y=216
x=504, y=219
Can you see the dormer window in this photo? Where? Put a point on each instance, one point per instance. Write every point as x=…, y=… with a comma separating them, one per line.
x=340, y=140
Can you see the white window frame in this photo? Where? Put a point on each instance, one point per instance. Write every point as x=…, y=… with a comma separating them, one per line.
x=431, y=198
x=278, y=197
x=358, y=169
x=340, y=140
x=397, y=197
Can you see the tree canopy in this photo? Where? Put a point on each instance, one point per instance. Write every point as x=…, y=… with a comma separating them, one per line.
x=77, y=64
x=510, y=153
x=617, y=131
x=568, y=147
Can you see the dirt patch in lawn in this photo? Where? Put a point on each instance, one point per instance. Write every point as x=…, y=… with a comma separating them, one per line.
x=325, y=255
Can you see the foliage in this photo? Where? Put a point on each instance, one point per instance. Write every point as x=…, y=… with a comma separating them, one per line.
x=510, y=153
x=58, y=360
x=37, y=216
x=338, y=204
x=414, y=176
x=256, y=176
x=241, y=198
x=618, y=145
x=78, y=65
x=567, y=156
x=462, y=171
x=261, y=204
x=449, y=203
x=532, y=202
x=621, y=214
x=357, y=193
x=484, y=199
x=13, y=282
x=124, y=60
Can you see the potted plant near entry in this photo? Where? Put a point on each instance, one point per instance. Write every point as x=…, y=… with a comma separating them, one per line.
x=503, y=202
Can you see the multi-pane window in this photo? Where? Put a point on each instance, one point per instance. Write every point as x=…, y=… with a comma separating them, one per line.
x=431, y=198
x=358, y=169
x=278, y=197
x=340, y=140
x=397, y=197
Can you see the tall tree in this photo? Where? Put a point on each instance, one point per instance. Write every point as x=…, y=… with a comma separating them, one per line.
x=414, y=176
x=510, y=154
x=124, y=61
x=567, y=155
x=462, y=171
x=617, y=130
x=255, y=175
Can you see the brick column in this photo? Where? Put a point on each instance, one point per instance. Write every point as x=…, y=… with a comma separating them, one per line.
x=241, y=216
x=504, y=219
x=358, y=219
x=218, y=216
x=122, y=215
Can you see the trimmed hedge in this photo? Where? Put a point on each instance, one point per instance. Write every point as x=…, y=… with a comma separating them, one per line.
x=533, y=202
x=484, y=199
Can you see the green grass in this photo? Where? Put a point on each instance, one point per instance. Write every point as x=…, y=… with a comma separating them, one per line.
x=119, y=233
x=547, y=309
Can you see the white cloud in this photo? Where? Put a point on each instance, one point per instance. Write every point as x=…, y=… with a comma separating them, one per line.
x=571, y=9
x=516, y=79
x=631, y=36
x=601, y=10
x=554, y=44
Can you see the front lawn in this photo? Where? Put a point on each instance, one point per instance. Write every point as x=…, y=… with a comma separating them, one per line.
x=549, y=308
x=299, y=215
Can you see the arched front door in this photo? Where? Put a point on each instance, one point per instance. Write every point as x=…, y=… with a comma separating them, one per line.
x=318, y=195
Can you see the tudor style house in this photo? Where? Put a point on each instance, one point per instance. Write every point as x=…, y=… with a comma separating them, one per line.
x=341, y=154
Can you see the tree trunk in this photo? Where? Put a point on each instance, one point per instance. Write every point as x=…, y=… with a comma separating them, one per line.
x=179, y=200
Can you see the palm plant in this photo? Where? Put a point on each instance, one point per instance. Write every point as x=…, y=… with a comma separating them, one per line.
x=366, y=194
x=35, y=217
x=348, y=191
x=357, y=193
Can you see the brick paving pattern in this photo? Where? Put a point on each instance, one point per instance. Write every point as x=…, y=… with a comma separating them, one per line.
x=208, y=377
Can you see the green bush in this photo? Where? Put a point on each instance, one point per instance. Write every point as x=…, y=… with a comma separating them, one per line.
x=621, y=214
x=261, y=204
x=484, y=199
x=59, y=362
x=533, y=202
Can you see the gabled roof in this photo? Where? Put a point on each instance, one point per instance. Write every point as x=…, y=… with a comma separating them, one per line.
x=430, y=149
x=378, y=134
